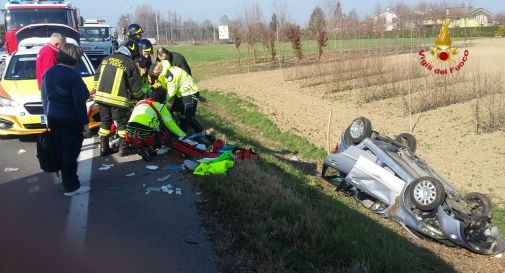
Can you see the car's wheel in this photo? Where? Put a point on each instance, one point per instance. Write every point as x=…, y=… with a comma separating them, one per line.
x=480, y=205
x=408, y=140
x=427, y=193
x=360, y=129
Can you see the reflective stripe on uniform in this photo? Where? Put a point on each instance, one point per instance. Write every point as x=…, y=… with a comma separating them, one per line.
x=117, y=82
x=99, y=78
x=121, y=133
x=103, y=132
x=111, y=99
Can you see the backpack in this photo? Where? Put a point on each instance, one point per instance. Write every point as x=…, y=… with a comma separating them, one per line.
x=47, y=153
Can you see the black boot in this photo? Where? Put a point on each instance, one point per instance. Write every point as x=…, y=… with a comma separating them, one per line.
x=105, y=149
x=124, y=148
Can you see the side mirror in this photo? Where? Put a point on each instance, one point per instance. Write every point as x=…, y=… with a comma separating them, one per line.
x=81, y=21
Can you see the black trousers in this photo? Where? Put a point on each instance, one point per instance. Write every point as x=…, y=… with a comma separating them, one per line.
x=186, y=106
x=68, y=138
x=108, y=114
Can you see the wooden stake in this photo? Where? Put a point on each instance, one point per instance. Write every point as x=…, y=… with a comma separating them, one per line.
x=328, y=134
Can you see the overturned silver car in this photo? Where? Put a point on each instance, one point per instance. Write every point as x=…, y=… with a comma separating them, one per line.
x=387, y=177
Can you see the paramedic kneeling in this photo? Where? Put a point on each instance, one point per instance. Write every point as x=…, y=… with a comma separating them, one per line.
x=147, y=128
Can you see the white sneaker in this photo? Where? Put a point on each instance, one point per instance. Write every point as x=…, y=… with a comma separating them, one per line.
x=80, y=190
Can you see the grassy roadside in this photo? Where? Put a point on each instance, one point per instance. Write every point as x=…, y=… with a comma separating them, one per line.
x=282, y=220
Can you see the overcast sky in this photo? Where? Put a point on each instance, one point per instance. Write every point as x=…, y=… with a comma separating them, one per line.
x=199, y=10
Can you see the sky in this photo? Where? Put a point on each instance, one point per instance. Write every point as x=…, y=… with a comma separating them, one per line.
x=198, y=10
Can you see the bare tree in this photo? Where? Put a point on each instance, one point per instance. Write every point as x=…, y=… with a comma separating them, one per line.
x=294, y=35
x=145, y=16
x=500, y=18
x=271, y=35
x=253, y=22
x=238, y=40
x=321, y=42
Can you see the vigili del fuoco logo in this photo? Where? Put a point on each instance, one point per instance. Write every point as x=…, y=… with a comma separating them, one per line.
x=443, y=54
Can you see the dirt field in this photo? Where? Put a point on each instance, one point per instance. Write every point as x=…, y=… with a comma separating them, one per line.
x=446, y=136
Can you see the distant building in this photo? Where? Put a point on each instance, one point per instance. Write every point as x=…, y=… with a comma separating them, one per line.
x=459, y=17
x=386, y=20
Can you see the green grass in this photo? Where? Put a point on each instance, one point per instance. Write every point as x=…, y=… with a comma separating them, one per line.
x=283, y=220
x=499, y=219
x=226, y=52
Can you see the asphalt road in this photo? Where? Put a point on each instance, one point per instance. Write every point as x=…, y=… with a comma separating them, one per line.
x=117, y=227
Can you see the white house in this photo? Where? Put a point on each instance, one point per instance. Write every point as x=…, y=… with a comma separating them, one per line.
x=386, y=20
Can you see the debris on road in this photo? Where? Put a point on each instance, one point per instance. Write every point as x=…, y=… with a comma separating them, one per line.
x=178, y=191
x=152, y=167
x=173, y=168
x=9, y=169
x=21, y=151
x=130, y=174
x=163, y=151
x=499, y=256
x=191, y=165
x=167, y=188
x=106, y=167
x=164, y=178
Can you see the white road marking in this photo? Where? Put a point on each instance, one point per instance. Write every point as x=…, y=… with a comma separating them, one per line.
x=77, y=220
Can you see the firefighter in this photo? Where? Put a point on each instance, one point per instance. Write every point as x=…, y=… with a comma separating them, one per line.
x=144, y=63
x=146, y=50
x=148, y=124
x=117, y=82
x=184, y=91
x=134, y=33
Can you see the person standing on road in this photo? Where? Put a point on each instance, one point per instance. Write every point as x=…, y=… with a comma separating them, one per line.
x=64, y=96
x=47, y=55
x=117, y=82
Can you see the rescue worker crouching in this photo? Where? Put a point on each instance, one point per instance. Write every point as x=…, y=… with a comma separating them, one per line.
x=117, y=81
x=148, y=124
x=183, y=89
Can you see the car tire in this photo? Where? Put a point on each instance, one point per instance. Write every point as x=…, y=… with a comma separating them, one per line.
x=427, y=193
x=480, y=205
x=408, y=140
x=360, y=129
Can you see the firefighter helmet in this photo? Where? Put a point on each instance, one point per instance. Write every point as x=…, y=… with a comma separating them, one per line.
x=134, y=31
x=131, y=49
x=145, y=46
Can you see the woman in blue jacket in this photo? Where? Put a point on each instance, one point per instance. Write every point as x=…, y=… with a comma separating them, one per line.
x=64, y=96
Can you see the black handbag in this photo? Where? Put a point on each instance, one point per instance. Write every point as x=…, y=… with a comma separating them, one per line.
x=47, y=153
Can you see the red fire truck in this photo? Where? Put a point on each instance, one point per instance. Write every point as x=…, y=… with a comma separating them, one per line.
x=20, y=13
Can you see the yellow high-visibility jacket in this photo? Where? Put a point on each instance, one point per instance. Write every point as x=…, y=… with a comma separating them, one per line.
x=177, y=81
x=144, y=114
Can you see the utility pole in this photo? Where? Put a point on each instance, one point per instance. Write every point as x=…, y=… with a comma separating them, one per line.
x=157, y=30
x=166, y=32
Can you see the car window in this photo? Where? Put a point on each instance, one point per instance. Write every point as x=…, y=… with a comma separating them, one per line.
x=22, y=67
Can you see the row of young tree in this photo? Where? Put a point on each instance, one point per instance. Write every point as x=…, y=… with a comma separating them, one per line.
x=252, y=28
